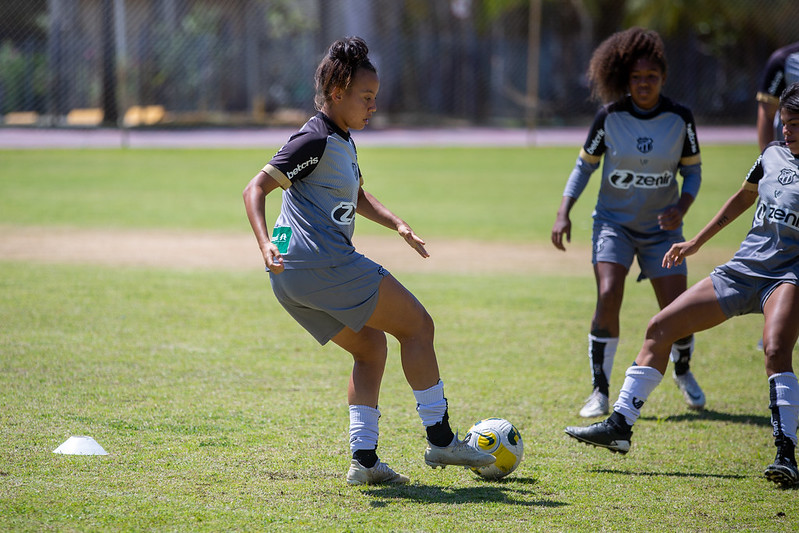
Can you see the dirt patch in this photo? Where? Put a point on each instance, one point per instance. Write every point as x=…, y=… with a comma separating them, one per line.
x=239, y=252
x=227, y=251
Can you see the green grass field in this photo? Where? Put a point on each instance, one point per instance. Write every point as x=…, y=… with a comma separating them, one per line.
x=220, y=413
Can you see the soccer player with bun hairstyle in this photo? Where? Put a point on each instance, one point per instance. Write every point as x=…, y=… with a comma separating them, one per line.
x=645, y=139
x=330, y=289
x=762, y=277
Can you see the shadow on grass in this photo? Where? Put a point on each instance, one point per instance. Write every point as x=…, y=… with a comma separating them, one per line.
x=666, y=474
x=501, y=491
x=709, y=414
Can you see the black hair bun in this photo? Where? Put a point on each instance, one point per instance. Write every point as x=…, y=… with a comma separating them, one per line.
x=351, y=50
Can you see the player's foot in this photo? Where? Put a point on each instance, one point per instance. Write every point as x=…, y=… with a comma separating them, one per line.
x=691, y=390
x=379, y=474
x=596, y=405
x=605, y=434
x=783, y=471
x=458, y=453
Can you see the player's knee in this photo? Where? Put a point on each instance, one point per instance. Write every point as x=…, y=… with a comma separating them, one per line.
x=778, y=355
x=658, y=331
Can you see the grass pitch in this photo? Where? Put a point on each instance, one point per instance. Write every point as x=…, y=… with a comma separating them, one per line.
x=220, y=413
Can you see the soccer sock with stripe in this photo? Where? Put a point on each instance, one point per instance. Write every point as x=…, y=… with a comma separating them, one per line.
x=432, y=408
x=601, y=352
x=681, y=352
x=364, y=434
x=784, y=405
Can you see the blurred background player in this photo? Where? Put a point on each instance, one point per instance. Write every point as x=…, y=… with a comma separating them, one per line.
x=762, y=277
x=333, y=291
x=782, y=69
x=645, y=139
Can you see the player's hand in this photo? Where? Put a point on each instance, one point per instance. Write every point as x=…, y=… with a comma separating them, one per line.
x=273, y=259
x=678, y=252
x=670, y=219
x=563, y=226
x=412, y=239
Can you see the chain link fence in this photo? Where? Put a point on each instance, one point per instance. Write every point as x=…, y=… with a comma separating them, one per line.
x=170, y=63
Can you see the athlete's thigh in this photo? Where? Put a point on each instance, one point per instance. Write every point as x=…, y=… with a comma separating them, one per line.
x=398, y=312
x=696, y=309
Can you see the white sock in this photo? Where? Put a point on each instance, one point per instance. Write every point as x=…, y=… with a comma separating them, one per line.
x=431, y=404
x=608, y=346
x=784, y=404
x=639, y=382
x=363, y=427
x=675, y=350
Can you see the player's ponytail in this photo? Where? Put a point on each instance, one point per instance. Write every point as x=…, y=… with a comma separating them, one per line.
x=337, y=69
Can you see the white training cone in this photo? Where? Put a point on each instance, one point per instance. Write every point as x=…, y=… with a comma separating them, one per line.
x=79, y=445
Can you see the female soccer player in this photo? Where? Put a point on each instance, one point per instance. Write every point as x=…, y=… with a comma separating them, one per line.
x=645, y=139
x=762, y=277
x=333, y=291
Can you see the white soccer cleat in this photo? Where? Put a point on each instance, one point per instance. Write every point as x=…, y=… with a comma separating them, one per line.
x=379, y=474
x=596, y=405
x=458, y=453
x=691, y=390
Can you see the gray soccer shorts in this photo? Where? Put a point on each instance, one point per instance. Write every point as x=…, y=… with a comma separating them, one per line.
x=740, y=294
x=325, y=300
x=615, y=244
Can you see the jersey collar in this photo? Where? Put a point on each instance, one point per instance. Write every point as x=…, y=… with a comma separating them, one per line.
x=333, y=127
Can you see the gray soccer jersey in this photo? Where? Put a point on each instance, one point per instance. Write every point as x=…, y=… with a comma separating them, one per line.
x=781, y=70
x=771, y=248
x=642, y=154
x=318, y=171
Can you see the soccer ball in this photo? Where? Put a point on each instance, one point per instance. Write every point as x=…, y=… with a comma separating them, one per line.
x=501, y=439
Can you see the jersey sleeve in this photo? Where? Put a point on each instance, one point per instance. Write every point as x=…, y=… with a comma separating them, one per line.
x=690, y=148
x=772, y=81
x=755, y=173
x=297, y=158
x=594, y=146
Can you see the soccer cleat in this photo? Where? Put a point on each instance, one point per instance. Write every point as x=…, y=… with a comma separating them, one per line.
x=458, y=453
x=379, y=474
x=596, y=405
x=783, y=471
x=603, y=434
x=691, y=390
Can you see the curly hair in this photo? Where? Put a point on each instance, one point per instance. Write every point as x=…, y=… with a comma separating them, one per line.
x=337, y=69
x=612, y=61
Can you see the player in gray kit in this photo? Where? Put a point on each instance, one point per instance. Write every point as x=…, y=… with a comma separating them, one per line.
x=645, y=139
x=335, y=292
x=761, y=277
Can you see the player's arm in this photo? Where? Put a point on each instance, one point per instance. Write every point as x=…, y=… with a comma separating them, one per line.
x=254, y=195
x=369, y=207
x=732, y=209
x=585, y=165
x=766, y=109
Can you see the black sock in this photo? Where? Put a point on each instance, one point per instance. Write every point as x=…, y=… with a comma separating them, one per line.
x=367, y=458
x=683, y=363
x=440, y=434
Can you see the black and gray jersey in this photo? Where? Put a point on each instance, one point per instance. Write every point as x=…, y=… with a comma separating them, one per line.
x=318, y=171
x=771, y=248
x=643, y=152
x=782, y=69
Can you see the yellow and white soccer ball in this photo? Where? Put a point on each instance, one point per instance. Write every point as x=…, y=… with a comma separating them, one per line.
x=501, y=439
